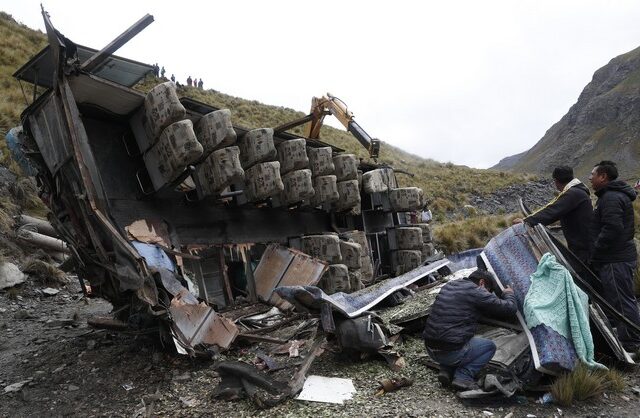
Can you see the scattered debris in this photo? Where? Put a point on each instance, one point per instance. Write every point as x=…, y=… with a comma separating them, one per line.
x=393, y=384
x=326, y=389
x=127, y=386
x=49, y=291
x=10, y=275
x=16, y=387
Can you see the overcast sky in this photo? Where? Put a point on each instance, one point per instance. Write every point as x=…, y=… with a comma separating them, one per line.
x=463, y=81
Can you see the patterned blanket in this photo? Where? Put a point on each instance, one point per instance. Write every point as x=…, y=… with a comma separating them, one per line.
x=512, y=259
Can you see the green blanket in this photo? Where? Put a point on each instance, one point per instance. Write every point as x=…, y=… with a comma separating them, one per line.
x=554, y=300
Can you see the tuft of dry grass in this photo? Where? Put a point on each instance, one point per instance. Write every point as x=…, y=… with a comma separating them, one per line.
x=616, y=380
x=583, y=383
x=44, y=272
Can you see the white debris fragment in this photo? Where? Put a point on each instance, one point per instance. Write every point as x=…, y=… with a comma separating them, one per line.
x=15, y=387
x=326, y=389
x=49, y=291
x=10, y=275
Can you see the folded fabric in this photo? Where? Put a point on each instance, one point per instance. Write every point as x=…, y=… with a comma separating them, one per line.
x=554, y=300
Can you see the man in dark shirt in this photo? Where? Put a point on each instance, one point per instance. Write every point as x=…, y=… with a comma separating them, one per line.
x=451, y=325
x=614, y=252
x=572, y=207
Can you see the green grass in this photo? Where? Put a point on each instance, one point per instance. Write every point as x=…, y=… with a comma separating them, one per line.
x=475, y=232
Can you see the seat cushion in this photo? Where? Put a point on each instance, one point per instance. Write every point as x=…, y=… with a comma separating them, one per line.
x=427, y=234
x=326, y=190
x=366, y=271
x=357, y=236
x=292, y=155
x=221, y=169
x=256, y=146
x=263, y=180
x=346, y=166
x=349, y=192
x=408, y=238
x=405, y=260
x=323, y=247
x=298, y=186
x=214, y=131
x=406, y=199
x=335, y=279
x=176, y=148
x=377, y=181
x=321, y=161
x=351, y=254
x=161, y=108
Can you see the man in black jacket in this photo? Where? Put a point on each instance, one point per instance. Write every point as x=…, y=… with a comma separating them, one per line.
x=614, y=252
x=451, y=325
x=572, y=207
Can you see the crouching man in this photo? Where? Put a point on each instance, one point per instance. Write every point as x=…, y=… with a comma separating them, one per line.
x=450, y=328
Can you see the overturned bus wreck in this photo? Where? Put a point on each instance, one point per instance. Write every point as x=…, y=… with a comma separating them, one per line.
x=223, y=233
x=167, y=207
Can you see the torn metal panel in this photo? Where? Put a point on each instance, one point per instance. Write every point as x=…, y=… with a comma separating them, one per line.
x=280, y=266
x=354, y=304
x=149, y=231
x=195, y=324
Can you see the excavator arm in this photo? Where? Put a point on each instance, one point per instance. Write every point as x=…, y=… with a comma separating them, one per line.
x=331, y=105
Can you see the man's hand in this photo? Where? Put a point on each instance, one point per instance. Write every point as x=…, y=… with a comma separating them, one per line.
x=517, y=221
x=507, y=289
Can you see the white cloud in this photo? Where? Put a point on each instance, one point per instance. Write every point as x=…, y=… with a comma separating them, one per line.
x=462, y=81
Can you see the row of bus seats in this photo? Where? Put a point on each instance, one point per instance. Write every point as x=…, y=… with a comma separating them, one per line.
x=294, y=173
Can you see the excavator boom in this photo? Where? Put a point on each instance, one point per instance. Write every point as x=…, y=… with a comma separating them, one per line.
x=331, y=105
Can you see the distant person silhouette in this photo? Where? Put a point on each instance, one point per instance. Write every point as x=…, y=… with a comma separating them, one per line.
x=162, y=72
x=173, y=78
x=200, y=84
x=189, y=81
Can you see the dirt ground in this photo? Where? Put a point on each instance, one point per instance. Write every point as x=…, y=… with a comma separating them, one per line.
x=69, y=369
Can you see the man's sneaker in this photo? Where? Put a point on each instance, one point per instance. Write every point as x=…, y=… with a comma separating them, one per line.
x=444, y=377
x=463, y=384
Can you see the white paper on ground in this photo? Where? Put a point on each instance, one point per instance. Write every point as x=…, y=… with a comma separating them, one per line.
x=326, y=389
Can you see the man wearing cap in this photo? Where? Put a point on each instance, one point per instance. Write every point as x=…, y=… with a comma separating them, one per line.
x=572, y=207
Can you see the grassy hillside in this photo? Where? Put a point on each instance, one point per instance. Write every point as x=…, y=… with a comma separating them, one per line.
x=446, y=185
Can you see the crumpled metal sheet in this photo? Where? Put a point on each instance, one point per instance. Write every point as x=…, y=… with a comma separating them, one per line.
x=281, y=266
x=196, y=324
x=354, y=304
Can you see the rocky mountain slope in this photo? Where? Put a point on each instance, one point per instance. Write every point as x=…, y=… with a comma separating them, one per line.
x=603, y=124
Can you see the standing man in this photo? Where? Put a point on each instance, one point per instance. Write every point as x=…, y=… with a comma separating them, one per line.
x=450, y=328
x=614, y=252
x=572, y=207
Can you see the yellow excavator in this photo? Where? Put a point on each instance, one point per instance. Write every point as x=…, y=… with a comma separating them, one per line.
x=331, y=105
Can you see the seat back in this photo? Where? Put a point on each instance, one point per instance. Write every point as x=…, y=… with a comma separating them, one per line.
x=176, y=148
x=321, y=161
x=298, y=186
x=257, y=146
x=162, y=107
x=218, y=171
x=214, y=131
x=292, y=155
x=263, y=181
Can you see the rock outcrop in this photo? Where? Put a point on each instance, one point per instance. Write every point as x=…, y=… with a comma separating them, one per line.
x=604, y=124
